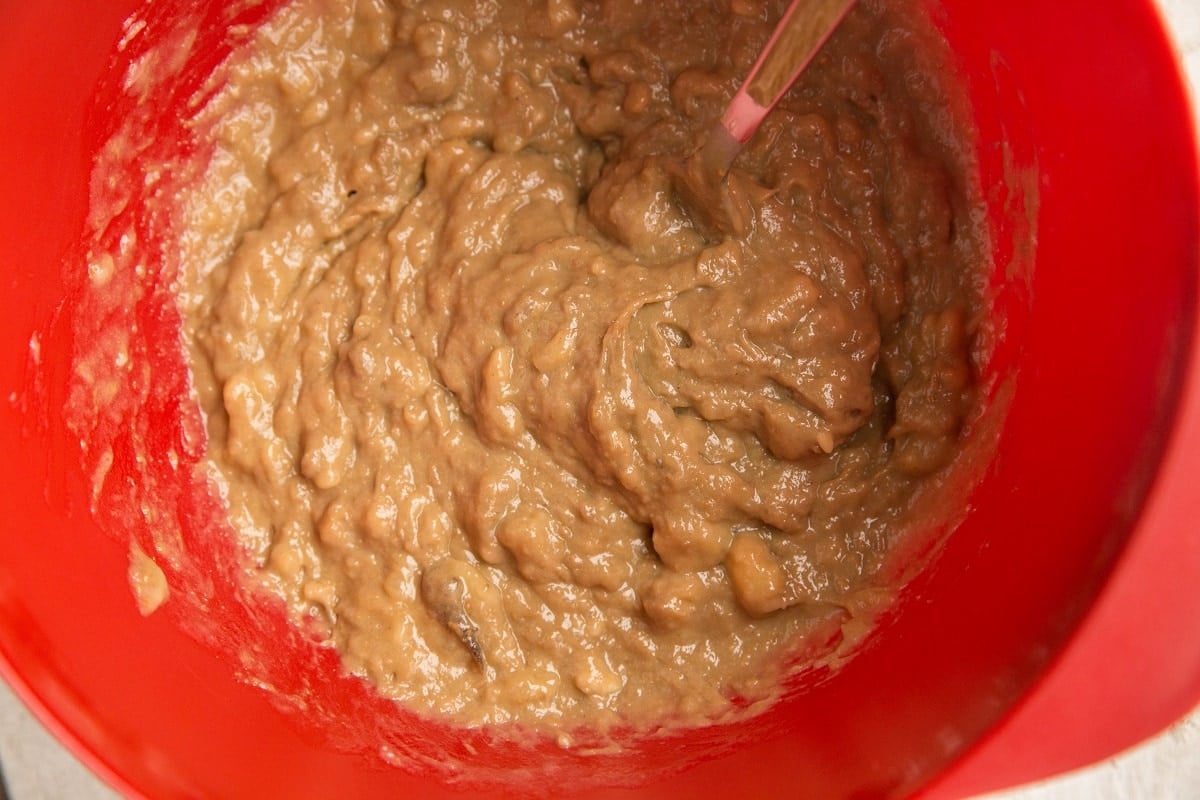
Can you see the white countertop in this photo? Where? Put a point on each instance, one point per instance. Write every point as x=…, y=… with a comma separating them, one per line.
x=36, y=767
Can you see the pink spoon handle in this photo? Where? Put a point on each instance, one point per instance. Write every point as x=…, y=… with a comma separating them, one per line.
x=800, y=34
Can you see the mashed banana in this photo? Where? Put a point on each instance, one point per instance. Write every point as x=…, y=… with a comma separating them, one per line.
x=491, y=409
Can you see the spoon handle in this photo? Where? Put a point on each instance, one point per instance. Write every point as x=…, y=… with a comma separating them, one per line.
x=804, y=28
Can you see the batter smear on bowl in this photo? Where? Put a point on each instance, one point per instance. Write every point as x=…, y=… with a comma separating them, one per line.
x=491, y=411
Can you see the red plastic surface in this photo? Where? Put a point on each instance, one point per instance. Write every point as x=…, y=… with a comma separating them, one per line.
x=1092, y=491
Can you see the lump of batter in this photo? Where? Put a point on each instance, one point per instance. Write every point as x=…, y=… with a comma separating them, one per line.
x=490, y=407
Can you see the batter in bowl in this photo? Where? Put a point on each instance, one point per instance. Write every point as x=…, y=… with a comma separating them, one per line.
x=497, y=418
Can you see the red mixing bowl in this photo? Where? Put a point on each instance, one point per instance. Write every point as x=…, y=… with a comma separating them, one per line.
x=1061, y=622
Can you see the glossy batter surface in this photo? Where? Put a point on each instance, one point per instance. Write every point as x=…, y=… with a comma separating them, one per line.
x=492, y=410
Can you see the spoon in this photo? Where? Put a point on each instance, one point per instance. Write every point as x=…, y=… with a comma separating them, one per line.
x=804, y=28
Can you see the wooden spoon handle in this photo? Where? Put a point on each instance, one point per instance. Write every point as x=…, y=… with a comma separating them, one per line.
x=804, y=28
